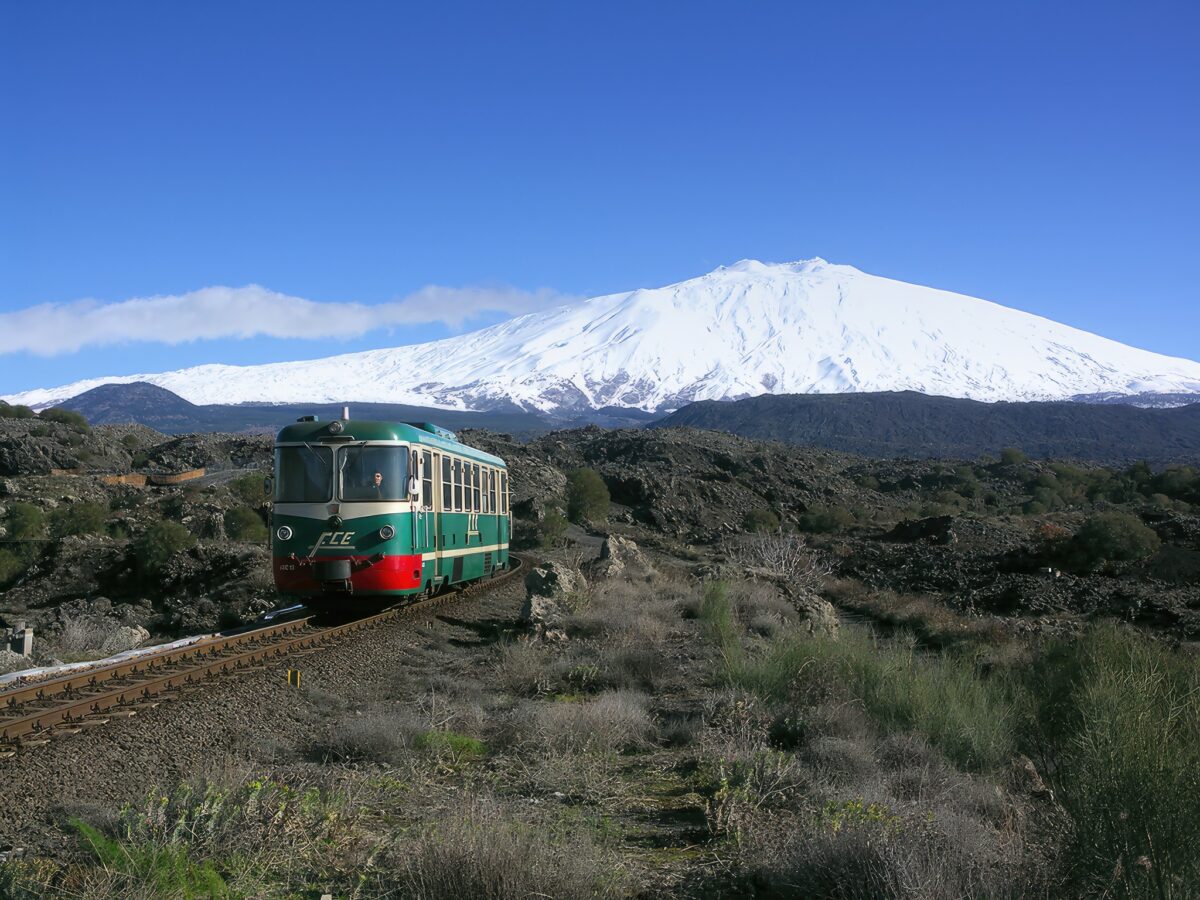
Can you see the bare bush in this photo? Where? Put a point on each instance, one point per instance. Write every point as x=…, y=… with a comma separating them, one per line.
x=522, y=669
x=483, y=849
x=615, y=720
x=841, y=760
x=856, y=850
x=95, y=636
x=743, y=786
x=787, y=556
x=377, y=735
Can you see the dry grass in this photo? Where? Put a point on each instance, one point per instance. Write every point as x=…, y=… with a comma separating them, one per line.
x=935, y=623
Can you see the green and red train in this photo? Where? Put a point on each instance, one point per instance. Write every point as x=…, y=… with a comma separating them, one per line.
x=383, y=509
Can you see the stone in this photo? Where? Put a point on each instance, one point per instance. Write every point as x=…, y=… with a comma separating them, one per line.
x=550, y=591
x=818, y=615
x=12, y=662
x=133, y=636
x=620, y=557
x=1025, y=779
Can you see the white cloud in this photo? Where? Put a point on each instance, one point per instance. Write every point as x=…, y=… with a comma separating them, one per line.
x=50, y=329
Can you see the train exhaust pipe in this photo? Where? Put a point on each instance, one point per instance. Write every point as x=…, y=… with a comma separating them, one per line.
x=346, y=413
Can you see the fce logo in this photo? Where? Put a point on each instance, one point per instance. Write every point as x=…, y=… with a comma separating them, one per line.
x=333, y=539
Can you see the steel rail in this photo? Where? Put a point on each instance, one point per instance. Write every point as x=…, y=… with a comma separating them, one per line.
x=73, y=698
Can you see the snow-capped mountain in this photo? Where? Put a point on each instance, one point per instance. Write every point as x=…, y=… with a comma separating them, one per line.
x=742, y=330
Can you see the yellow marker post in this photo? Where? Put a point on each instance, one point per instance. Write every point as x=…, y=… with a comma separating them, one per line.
x=294, y=677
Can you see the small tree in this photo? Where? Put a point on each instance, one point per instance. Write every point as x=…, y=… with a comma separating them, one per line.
x=587, y=497
x=78, y=518
x=244, y=524
x=760, y=520
x=157, y=544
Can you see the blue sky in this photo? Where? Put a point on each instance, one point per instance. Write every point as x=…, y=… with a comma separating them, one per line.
x=1041, y=155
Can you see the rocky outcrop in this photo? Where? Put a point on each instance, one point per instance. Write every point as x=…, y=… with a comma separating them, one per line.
x=620, y=558
x=551, y=591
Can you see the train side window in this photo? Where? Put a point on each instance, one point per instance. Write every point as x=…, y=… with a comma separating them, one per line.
x=504, y=493
x=486, y=506
x=475, y=485
x=492, y=490
x=447, y=486
x=458, y=486
x=426, y=480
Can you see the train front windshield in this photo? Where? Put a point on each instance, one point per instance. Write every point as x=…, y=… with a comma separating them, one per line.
x=367, y=472
x=303, y=474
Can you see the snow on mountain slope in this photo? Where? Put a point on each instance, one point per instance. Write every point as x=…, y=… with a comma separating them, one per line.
x=742, y=330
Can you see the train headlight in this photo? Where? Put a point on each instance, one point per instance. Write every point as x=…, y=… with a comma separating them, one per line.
x=284, y=533
x=335, y=427
x=387, y=532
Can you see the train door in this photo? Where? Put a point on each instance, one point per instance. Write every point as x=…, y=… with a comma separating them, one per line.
x=423, y=515
x=443, y=520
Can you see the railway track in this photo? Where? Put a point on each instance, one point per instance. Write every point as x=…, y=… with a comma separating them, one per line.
x=32, y=714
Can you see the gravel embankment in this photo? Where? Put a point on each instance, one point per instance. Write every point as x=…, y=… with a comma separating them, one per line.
x=237, y=720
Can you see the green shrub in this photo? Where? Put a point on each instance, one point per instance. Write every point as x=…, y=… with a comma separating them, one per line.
x=1113, y=536
x=65, y=417
x=11, y=566
x=244, y=524
x=450, y=745
x=552, y=530
x=169, y=870
x=78, y=518
x=1117, y=721
x=826, y=519
x=761, y=520
x=157, y=544
x=131, y=441
x=1011, y=456
x=970, y=718
x=140, y=458
x=250, y=489
x=587, y=497
x=15, y=412
x=718, y=623
x=25, y=522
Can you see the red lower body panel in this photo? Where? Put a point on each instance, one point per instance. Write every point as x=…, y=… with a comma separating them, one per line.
x=368, y=574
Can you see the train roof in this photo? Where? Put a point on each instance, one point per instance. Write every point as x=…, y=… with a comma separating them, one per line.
x=364, y=430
